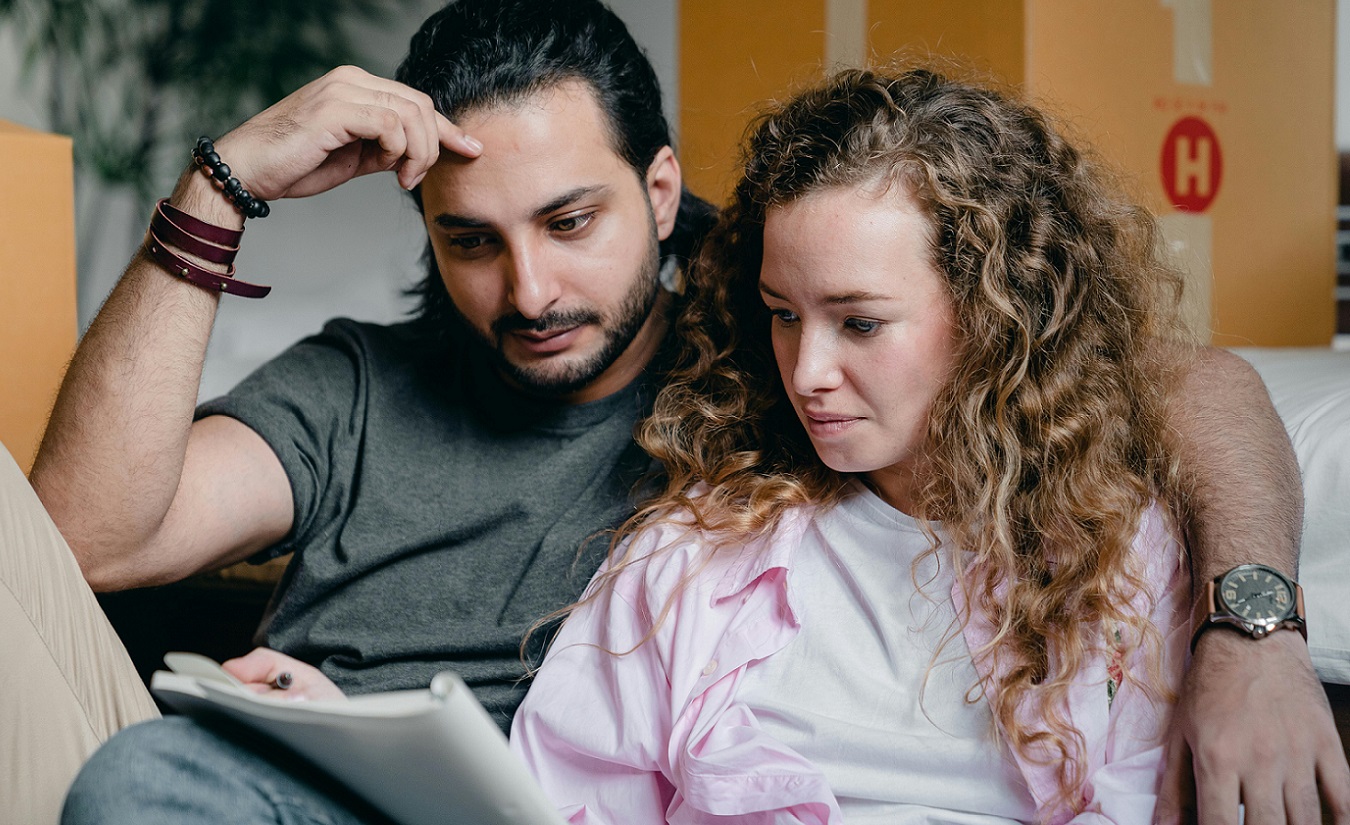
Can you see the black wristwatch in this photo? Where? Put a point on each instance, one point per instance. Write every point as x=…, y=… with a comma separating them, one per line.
x=1252, y=598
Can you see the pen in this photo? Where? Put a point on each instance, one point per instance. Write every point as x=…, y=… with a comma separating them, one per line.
x=283, y=680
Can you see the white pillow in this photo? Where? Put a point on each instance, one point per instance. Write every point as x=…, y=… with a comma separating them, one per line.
x=1311, y=391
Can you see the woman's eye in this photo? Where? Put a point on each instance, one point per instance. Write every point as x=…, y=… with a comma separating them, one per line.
x=863, y=325
x=783, y=316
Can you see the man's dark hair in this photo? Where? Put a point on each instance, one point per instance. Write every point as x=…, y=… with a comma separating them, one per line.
x=474, y=54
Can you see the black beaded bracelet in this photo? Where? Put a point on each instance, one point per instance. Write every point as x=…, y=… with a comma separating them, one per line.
x=204, y=153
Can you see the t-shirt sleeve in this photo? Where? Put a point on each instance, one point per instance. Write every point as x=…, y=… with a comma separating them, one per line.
x=305, y=404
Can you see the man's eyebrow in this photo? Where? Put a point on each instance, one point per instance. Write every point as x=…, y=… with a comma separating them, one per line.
x=450, y=220
x=571, y=197
x=845, y=298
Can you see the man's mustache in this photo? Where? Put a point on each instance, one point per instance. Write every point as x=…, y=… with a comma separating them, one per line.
x=547, y=322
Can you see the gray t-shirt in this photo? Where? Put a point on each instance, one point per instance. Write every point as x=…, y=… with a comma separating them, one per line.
x=438, y=513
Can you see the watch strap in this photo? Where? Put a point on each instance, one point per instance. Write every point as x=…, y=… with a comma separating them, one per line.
x=1203, y=613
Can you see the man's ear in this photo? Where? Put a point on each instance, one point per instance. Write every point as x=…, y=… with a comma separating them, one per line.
x=663, y=190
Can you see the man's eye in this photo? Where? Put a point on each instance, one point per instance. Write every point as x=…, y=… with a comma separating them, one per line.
x=466, y=241
x=572, y=223
x=863, y=325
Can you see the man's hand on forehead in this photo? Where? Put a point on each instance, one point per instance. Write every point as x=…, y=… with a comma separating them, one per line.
x=346, y=124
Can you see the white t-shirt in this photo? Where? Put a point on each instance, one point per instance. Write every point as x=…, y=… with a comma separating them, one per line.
x=849, y=693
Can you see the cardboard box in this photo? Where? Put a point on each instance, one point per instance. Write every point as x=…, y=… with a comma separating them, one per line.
x=1221, y=113
x=38, y=325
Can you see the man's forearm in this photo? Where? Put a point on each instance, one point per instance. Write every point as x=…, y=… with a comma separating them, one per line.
x=110, y=461
x=1242, y=493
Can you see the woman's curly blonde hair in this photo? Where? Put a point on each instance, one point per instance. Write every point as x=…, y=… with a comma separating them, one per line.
x=1045, y=447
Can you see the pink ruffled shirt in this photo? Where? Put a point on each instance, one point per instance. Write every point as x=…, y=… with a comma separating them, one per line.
x=658, y=735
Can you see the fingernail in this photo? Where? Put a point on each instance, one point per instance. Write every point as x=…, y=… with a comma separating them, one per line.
x=472, y=143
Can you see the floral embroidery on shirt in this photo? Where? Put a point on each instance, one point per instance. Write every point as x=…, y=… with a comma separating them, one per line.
x=1115, y=669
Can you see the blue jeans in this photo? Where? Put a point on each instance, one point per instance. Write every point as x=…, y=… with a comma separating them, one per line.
x=179, y=771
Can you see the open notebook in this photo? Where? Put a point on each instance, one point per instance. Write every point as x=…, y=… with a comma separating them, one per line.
x=420, y=756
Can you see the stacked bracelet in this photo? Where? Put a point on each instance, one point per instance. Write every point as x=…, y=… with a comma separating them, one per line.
x=217, y=244
x=213, y=167
x=206, y=231
x=203, y=247
x=204, y=278
x=207, y=241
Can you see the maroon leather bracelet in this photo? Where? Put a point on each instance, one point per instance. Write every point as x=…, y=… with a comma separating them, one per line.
x=196, y=226
x=204, y=278
x=172, y=233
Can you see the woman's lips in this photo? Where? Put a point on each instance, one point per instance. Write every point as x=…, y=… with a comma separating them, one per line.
x=827, y=424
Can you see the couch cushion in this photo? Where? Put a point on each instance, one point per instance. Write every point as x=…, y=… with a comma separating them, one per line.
x=1311, y=391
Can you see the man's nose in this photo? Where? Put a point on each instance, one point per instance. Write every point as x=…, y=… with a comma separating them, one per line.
x=532, y=286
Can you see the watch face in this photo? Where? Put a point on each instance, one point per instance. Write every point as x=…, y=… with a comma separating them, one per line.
x=1257, y=594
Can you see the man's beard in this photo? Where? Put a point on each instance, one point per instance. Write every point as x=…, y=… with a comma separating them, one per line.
x=552, y=380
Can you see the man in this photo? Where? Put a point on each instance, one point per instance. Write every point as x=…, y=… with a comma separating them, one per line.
x=434, y=479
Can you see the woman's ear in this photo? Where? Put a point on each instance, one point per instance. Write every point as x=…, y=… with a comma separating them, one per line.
x=664, y=185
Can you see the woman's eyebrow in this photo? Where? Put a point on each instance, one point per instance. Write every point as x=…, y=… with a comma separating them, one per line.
x=857, y=297
x=770, y=291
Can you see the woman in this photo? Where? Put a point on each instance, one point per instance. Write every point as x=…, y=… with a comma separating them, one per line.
x=924, y=575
